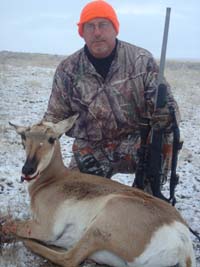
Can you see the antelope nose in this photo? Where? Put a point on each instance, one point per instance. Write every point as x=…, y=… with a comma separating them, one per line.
x=29, y=167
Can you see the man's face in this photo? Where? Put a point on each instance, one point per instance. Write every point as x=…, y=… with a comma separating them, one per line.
x=100, y=37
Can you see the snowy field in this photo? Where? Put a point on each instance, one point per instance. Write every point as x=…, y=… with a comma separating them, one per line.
x=25, y=86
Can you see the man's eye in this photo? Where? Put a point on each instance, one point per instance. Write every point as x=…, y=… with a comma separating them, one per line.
x=103, y=25
x=89, y=27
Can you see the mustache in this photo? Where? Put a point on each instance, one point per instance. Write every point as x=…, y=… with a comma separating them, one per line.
x=96, y=40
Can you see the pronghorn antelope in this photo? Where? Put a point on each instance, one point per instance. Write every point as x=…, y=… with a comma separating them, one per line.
x=92, y=217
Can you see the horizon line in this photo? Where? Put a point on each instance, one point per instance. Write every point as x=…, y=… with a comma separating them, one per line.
x=62, y=55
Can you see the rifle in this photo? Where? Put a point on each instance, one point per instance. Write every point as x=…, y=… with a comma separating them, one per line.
x=149, y=168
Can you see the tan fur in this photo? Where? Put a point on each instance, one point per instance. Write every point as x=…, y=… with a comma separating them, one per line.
x=105, y=215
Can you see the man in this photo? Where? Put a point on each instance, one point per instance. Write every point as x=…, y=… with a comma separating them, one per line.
x=112, y=85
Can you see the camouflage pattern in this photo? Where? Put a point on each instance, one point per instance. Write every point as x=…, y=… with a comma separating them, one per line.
x=110, y=110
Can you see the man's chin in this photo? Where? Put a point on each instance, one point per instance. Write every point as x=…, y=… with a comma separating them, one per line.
x=100, y=52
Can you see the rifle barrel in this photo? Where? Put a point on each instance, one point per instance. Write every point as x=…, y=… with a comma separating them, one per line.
x=164, y=46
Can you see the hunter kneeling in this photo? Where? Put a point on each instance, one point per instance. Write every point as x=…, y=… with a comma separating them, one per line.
x=112, y=84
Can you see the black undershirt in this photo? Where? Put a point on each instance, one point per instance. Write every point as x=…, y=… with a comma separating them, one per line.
x=102, y=65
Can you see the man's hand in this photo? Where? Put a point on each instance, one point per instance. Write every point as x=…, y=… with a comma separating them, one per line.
x=89, y=164
x=161, y=119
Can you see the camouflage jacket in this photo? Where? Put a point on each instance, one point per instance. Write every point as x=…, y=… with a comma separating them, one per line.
x=110, y=108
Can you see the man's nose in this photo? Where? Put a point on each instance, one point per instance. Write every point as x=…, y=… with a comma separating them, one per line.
x=97, y=30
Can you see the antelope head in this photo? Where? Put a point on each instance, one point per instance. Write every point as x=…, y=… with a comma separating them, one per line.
x=40, y=142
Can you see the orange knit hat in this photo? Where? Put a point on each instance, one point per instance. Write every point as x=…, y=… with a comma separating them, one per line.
x=97, y=9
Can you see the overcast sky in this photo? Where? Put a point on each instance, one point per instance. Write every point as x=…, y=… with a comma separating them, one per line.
x=49, y=26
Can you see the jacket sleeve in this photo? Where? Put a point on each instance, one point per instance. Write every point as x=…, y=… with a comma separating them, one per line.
x=59, y=107
x=150, y=71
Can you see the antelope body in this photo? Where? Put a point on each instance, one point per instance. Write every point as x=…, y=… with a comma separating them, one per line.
x=90, y=217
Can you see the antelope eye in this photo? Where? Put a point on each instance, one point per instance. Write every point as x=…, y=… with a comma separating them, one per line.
x=51, y=140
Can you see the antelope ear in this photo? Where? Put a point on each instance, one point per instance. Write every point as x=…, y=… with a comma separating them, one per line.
x=19, y=129
x=65, y=125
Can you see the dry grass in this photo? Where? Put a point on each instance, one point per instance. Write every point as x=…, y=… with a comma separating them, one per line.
x=29, y=59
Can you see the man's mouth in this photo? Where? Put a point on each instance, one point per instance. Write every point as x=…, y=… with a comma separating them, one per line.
x=98, y=41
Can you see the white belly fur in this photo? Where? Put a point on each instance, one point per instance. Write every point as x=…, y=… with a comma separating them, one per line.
x=72, y=219
x=169, y=245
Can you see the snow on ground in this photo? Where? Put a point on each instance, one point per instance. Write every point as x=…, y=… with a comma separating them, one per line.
x=25, y=86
